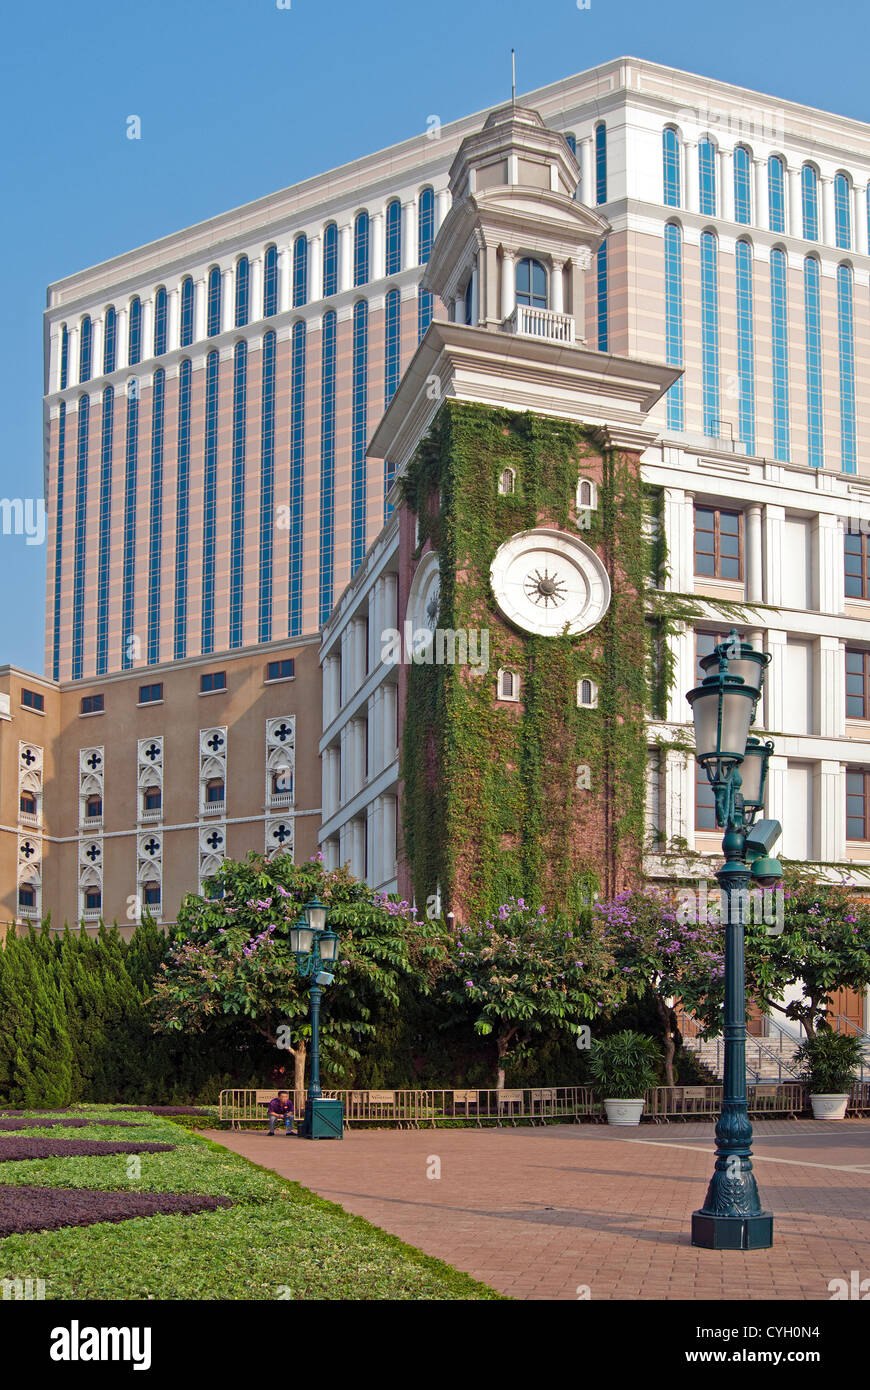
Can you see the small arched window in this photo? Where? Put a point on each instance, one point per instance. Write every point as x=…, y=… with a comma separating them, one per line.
x=508, y=685
x=600, y=163
x=86, y=335
x=214, y=790
x=531, y=280
x=361, y=249
x=186, y=311
x=243, y=286
x=134, y=332
x=213, y=326
x=425, y=224
x=64, y=357
x=282, y=782
x=160, y=322
x=394, y=237
x=671, y=167
x=810, y=202
x=587, y=693
x=776, y=193
x=587, y=499
x=507, y=482
x=270, y=282
x=330, y=260
x=843, y=212
x=707, y=177
x=742, y=176
x=300, y=271
x=110, y=340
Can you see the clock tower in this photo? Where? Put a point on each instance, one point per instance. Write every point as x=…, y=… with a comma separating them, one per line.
x=523, y=556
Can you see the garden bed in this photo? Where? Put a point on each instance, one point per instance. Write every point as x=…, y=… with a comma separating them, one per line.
x=43, y=1122
x=14, y=1150
x=48, y=1208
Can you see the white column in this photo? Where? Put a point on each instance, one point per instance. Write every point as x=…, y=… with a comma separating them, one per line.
x=774, y=532
x=325, y=784
x=827, y=231
x=256, y=290
x=360, y=652
x=829, y=796
x=508, y=285
x=761, y=207
x=679, y=797
x=692, y=199
x=388, y=834
x=283, y=279
x=459, y=309
x=199, y=313
x=859, y=218
x=557, y=288
x=587, y=185
x=358, y=744
x=682, y=645
x=97, y=331
x=442, y=206
x=829, y=689
x=148, y=327
x=72, y=374
x=334, y=777
x=474, y=299
x=122, y=342
x=774, y=682
x=172, y=328
x=373, y=844
x=679, y=523
x=391, y=600
x=345, y=776
x=376, y=731
x=347, y=685
x=794, y=213
x=409, y=235
x=389, y=706
x=829, y=595
x=315, y=266
x=371, y=731
x=777, y=788
x=345, y=844
x=726, y=184
x=345, y=257
x=228, y=301
x=378, y=265
x=358, y=853
x=754, y=570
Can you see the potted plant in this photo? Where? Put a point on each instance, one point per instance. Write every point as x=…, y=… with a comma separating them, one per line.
x=828, y=1064
x=622, y=1067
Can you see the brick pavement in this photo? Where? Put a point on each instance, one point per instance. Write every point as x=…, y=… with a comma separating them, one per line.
x=539, y=1213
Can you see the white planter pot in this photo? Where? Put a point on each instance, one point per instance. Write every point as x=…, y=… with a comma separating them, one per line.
x=623, y=1112
x=829, y=1107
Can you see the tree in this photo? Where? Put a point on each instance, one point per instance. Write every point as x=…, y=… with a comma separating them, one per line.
x=525, y=974
x=230, y=957
x=660, y=950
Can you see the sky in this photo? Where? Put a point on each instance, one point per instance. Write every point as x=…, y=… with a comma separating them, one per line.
x=237, y=98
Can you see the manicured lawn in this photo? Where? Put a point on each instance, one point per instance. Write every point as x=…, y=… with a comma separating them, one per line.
x=279, y=1240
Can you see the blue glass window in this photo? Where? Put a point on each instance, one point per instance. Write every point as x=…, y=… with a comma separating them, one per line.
x=105, y=531
x=213, y=326
x=710, y=333
x=394, y=237
x=776, y=193
x=134, y=332
x=209, y=501
x=392, y=359
x=64, y=357
x=601, y=298
x=674, y=320
x=845, y=330
x=742, y=193
x=671, y=167
x=358, y=433
x=80, y=534
x=243, y=292
x=110, y=340
x=813, y=317
x=186, y=311
x=601, y=163
x=425, y=305
x=297, y=475
x=155, y=542
x=707, y=177
x=131, y=469
x=58, y=538
x=779, y=351
x=160, y=322
x=327, y=464
x=237, y=518
x=300, y=271
x=531, y=284
x=267, y=488
x=810, y=202
x=270, y=282
x=182, y=510
x=361, y=249
x=745, y=345
x=425, y=225
x=330, y=260
x=843, y=212
x=86, y=339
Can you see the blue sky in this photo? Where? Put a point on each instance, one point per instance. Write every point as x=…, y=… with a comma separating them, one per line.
x=240, y=97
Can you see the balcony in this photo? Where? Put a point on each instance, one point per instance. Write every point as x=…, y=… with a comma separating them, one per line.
x=150, y=817
x=28, y=818
x=279, y=799
x=547, y=324
x=91, y=822
x=213, y=808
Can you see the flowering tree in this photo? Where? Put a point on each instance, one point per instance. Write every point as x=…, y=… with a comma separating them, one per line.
x=524, y=974
x=657, y=952
x=230, y=956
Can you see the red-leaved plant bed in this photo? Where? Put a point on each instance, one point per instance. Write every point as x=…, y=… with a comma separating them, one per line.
x=15, y=1149
x=48, y=1208
x=167, y=1109
x=44, y=1122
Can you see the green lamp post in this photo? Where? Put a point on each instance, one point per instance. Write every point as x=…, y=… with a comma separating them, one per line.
x=314, y=947
x=723, y=708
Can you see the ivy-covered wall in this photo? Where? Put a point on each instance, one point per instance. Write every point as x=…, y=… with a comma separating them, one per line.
x=492, y=802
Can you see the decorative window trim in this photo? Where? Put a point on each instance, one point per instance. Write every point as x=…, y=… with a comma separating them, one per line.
x=592, y=701
x=582, y=503
x=507, y=482
x=505, y=691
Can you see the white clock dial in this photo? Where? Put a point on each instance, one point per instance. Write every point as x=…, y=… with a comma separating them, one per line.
x=424, y=602
x=548, y=582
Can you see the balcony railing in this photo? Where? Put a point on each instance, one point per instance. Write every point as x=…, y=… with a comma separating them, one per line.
x=149, y=817
x=541, y=323
x=213, y=808
x=277, y=799
x=91, y=822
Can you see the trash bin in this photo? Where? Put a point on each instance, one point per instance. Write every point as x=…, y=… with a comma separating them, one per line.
x=324, y=1119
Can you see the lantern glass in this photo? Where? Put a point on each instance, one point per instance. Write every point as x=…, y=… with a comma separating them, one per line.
x=315, y=911
x=722, y=712
x=746, y=662
x=301, y=938
x=752, y=773
x=327, y=944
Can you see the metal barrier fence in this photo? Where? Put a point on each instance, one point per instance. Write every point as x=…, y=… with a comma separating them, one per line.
x=684, y=1102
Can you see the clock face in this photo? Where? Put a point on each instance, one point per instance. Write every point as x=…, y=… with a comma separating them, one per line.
x=424, y=601
x=549, y=582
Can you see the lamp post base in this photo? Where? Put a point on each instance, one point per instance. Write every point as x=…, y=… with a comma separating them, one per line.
x=712, y=1232
x=324, y=1119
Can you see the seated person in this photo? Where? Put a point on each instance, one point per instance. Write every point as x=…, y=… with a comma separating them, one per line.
x=281, y=1107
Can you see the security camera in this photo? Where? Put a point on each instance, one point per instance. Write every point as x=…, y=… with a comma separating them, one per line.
x=323, y=978
x=762, y=838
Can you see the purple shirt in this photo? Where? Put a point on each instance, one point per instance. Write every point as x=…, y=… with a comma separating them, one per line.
x=280, y=1107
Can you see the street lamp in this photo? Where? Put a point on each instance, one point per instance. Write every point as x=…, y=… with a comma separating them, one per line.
x=314, y=946
x=723, y=708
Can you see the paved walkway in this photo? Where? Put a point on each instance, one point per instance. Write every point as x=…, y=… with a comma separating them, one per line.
x=551, y=1212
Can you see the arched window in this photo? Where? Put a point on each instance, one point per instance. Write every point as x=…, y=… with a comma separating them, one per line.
x=425, y=225
x=86, y=338
x=742, y=177
x=300, y=271
x=267, y=486
x=79, y=553
x=813, y=321
x=845, y=331
x=327, y=464
x=779, y=350
x=810, y=202
x=330, y=260
x=359, y=432
x=209, y=500
x=601, y=318
x=507, y=482
x=508, y=685
x=214, y=790
x=391, y=346
x=601, y=163
x=213, y=325
x=237, y=518
x=843, y=212
x=182, y=508
x=745, y=344
x=155, y=536
x=243, y=291
x=160, y=322
x=671, y=167
x=186, y=336
x=707, y=177
x=776, y=193
x=110, y=340
x=270, y=282
x=361, y=249
x=469, y=299
x=297, y=475
x=674, y=320
x=587, y=693
x=64, y=356
x=531, y=283
x=586, y=498
x=710, y=332
x=134, y=332
x=394, y=237
x=282, y=783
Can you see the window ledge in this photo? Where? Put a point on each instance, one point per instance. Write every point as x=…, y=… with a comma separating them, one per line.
x=31, y=710
x=278, y=680
x=90, y=713
x=221, y=691
x=147, y=704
